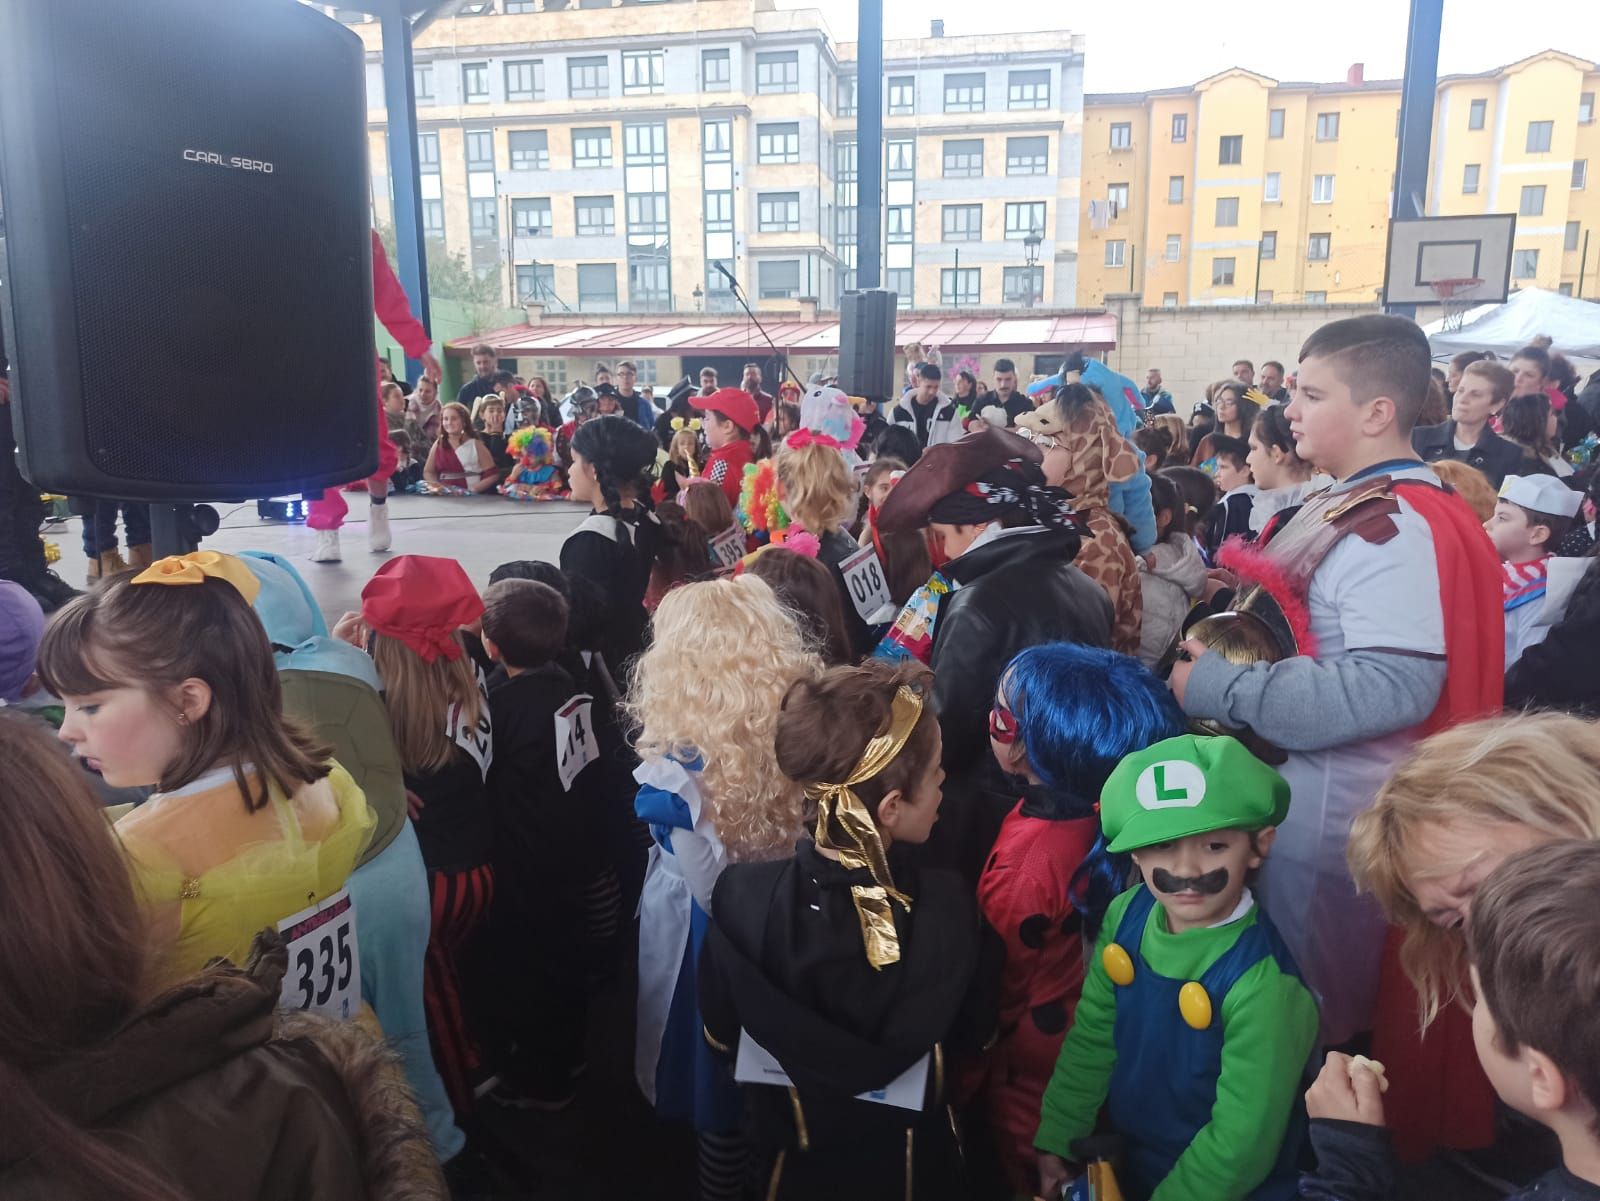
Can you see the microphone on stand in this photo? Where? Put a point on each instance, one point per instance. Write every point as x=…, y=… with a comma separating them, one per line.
x=733, y=284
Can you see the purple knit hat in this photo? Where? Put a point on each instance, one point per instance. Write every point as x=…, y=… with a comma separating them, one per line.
x=21, y=628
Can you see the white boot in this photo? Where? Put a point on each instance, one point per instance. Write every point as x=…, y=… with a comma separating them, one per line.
x=378, y=528
x=327, y=548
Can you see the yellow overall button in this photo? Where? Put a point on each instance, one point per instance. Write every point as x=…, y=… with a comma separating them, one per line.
x=1195, y=1005
x=1118, y=965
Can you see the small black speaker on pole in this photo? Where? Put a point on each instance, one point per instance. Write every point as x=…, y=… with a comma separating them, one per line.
x=186, y=272
x=866, y=344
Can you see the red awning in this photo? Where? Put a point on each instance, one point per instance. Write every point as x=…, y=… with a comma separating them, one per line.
x=1041, y=334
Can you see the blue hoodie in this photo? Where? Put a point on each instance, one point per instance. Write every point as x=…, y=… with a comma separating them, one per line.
x=299, y=634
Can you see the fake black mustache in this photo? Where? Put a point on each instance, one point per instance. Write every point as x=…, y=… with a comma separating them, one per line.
x=1207, y=885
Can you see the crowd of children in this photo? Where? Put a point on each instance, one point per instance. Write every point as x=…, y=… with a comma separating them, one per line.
x=970, y=813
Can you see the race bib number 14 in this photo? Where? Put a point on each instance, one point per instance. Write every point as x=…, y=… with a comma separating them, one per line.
x=576, y=744
x=324, y=973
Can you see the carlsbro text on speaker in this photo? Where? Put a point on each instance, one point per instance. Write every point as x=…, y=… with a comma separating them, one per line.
x=232, y=162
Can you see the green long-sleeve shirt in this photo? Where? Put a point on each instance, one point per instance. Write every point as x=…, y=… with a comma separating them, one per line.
x=1269, y=1024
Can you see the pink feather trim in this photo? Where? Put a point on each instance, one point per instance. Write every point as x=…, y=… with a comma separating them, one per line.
x=1254, y=566
x=803, y=543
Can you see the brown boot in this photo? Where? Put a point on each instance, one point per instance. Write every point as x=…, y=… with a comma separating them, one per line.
x=92, y=576
x=141, y=556
x=110, y=564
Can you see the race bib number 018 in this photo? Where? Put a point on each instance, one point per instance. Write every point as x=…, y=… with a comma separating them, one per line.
x=576, y=744
x=869, y=589
x=324, y=963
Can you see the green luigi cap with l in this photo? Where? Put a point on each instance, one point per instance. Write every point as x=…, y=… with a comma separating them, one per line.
x=1189, y=785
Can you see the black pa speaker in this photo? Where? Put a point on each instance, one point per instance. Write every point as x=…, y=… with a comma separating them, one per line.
x=866, y=344
x=185, y=265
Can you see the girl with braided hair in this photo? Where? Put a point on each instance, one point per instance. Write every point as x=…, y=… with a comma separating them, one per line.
x=612, y=458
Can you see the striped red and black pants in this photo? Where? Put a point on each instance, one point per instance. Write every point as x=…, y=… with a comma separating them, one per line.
x=461, y=902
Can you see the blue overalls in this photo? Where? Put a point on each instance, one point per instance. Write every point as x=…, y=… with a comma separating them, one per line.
x=1165, y=1080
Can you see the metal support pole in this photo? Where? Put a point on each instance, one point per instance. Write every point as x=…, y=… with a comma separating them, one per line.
x=400, y=96
x=1416, y=117
x=869, y=145
x=1583, y=263
x=1255, y=295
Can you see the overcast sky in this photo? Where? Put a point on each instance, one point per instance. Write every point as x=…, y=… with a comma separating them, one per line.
x=1284, y=39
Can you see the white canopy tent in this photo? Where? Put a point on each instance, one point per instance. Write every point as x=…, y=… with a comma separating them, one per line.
x=1572, y=325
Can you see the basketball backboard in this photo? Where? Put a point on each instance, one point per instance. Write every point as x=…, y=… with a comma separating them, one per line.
x=1424, y=251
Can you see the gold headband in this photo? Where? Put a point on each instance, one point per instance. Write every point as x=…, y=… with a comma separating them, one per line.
x=863, y=848
x=199, y=566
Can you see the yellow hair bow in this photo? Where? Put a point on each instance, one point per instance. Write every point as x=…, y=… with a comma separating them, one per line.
x=199, y=566
x=679, y=424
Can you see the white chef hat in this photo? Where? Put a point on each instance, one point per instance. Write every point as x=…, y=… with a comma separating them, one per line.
x=1542, y=494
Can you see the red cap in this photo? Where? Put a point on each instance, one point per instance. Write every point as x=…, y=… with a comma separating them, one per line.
x=422, y=601
x=737, y=405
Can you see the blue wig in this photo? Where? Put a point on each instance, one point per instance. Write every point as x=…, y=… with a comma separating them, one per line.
x=1079, y=711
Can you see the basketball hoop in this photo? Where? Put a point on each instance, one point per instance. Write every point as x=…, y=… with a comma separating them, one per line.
x=1448, y=292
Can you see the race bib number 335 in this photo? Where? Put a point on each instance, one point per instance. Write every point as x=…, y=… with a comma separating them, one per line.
x=324, y=973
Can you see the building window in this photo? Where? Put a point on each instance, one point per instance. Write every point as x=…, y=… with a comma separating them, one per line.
x=778, y=71
x=1469, y=178
x=1580, y=174
x=428, y=153
x=1116, y=253
x=1169, y=300
x=897, y=223
x=649, y=283
x=530, y=218
x=552, y=371
x=959, y=287
x=644, y=72
x=847, y=95
x=1022, y=219
x=1174, y=189
x=1322, y=189
x=1027, y=156
x=1585, y=108
x=964, y=159
x=1227, y=211
x=902, y=159
x=520, y=6
x=647, y=214
x=1022, y=285
x=778, y=279
x=475, y=8
x=1180, y=127
x=1570, y=242
x=597, y=287
x=1272, y=188
x=717, y=141
x=1316, y=298
x=1121, y=135
x=480, y=150
x=902, y=95
x=963, y=222
x=525, y=80
x=590, y=79
x=1564, y=289
x=1317, y=246
x=716, y=70
x=1174, y=247
x=1524, y=264
x=963, y=93
x=1269, y=244
x=898, y=281
x=483, y=216
x=433, y=219
x=1117, y=198
x=422, y=82
x=1532, y=204
x=475, y=82
x=778, y=212
x=719, y=212
x=778, y=143
x=645, y=145
x=1027, y=89
x=1327, y=127
x=536, y=281
x=1264, y=296
x=530, y=149
x=1222, y=273
x=1475, y=113
x=1230, y=149
x=1539, y=136
x=1275, y=123
x=591, y=147
x=597, y=216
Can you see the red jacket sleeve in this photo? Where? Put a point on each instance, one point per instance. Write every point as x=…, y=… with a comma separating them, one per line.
x=393, y=309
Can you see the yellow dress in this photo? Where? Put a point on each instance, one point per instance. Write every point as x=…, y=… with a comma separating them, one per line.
x=213, y=875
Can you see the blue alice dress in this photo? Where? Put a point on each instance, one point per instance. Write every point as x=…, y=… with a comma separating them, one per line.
x=675, y=1067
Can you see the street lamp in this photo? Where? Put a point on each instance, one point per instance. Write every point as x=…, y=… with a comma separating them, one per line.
x=1031, y=245
x=699, y=298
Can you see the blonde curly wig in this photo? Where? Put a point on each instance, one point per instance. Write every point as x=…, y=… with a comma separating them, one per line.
x=819, y=490
x=723, y=654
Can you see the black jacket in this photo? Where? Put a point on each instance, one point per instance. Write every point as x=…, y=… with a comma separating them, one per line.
x=1018, y=591
x=1563, y=671
x=616, y=552
x=1493, y=455
x=1015, y=407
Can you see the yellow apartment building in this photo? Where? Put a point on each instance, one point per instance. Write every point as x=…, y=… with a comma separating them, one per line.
x=1242, y=189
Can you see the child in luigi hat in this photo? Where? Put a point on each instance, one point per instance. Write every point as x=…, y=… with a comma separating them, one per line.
x=1194, y=1029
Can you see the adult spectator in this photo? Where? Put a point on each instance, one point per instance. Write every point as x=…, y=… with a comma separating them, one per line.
x=752, y=384
x=1006, y=394
x=928, y=412
x=485, y=361
x=1452, y=375
x=1157, y=400
x=602, y=376
x=21, y=512
x=708, y=380
x=1245, y=372
x=1483, y=387
x=636, y=406
x=1272, y=374
x=423, y=410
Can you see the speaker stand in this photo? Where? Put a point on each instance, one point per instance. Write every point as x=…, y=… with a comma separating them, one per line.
x=178, y=529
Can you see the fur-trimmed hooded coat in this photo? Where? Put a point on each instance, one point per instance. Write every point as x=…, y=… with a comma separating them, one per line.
x=225, y=1096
